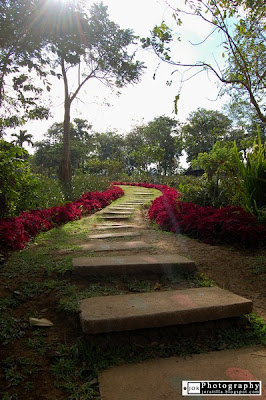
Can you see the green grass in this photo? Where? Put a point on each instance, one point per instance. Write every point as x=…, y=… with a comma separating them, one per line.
x=16, y=370
x=259, y=266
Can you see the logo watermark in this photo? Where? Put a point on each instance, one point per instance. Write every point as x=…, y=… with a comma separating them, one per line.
x=221, y=388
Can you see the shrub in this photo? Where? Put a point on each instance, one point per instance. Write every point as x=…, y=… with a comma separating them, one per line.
x=250, y=177
x=210, y=225
x=16, y=231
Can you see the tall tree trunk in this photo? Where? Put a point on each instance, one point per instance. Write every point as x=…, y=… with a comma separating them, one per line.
x=65, y=168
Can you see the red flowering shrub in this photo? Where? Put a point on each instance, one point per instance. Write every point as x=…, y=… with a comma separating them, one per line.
x=210, y=225
x=16, y=231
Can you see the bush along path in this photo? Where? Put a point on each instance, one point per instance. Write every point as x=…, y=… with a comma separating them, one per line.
x=16, y=231
x=116, y=295
x=210, y=225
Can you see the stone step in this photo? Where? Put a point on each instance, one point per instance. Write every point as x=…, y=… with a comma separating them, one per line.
x=115, y=217
x=115, y=212
x=114, y=246
x=141, y=264
x=104, y=227
x=144, y=194
x=122, y=208
x=138, y=203
x=113, y=235
x=162, y=379
x=157, y=309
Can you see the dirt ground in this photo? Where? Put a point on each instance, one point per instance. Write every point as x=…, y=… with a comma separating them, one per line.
x=231, y=268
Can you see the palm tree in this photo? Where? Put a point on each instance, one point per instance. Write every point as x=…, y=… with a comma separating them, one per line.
x=21, y=138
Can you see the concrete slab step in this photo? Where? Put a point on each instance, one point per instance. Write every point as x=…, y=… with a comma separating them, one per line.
x=141, y=264
x=135, y=204
x=162, y=379
x=113, y=235
x=116, y=212
x=158, y=309
x=104, y=227
x=114, y=246
x=122, y=208
x=115, y=217
x=144, y=194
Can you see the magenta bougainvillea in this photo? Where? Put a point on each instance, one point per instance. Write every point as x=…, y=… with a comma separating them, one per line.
x=16, y=231
x=210, y=225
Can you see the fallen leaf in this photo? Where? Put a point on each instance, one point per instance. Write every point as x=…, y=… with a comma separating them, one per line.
x=157, y=286
x=40, y=322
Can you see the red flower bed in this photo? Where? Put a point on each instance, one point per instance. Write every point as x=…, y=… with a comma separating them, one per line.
x=16, y=231
x=210, y=225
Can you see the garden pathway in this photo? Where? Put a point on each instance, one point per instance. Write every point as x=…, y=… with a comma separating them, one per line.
x=132, y=312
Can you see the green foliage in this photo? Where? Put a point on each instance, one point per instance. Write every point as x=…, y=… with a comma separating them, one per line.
x=250, y=177
x=21, y=138
x=17, y=370
x=21, y=53
x=48, y=155
x=259, y=266
x=44, y=193
x=82, y=182
x=163, y=143
x=109, y=146
x=110, y=168
x=155, y=143
x=244, y=116
x=216, y=161
x=215, y=193
x=20, y=189
x=203, y=129
x=15, y=178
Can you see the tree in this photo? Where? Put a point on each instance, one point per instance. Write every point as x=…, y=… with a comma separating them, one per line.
x=242, y=25
x=244, y=117
x=21, y=138
x=22, y=54
x=15, y=179
x=134, y=156
x=216, y=189
x=250, y=178
x=98, y=47
x=108, y=146
x=163, y=143
x=48, y=156
x=203, y=129
x=217, y=161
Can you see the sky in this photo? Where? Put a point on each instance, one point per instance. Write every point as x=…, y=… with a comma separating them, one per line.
x=142, y=102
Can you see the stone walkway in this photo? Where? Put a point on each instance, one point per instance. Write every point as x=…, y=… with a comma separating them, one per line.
x=116, y=225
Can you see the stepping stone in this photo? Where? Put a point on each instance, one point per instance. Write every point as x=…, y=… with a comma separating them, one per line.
x=136, y=203
x=113, y=235
x=144, y=194
x=158, y=309
x=114, y=217
x=141, y=264
x=116, y=212
x=115, y=246
x=162, y=378
x=109, y=226
x=121, y=208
